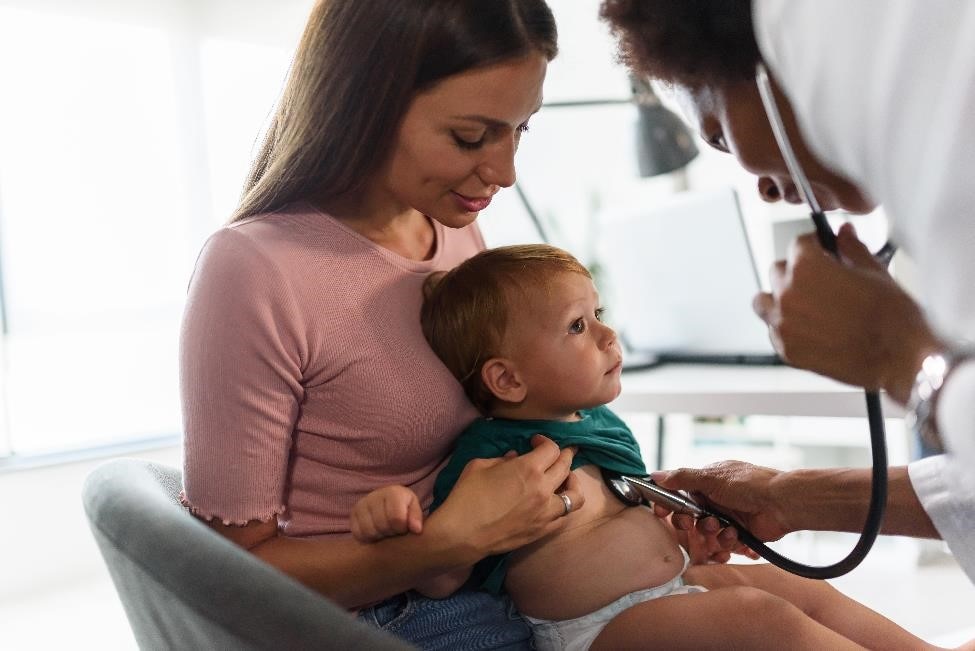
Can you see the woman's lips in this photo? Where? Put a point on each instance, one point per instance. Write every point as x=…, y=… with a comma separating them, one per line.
x=471, y=204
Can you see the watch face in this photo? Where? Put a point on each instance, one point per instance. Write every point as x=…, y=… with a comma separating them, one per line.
x=921, y=414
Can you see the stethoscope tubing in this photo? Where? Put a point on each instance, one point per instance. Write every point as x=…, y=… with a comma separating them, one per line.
x=875, y=418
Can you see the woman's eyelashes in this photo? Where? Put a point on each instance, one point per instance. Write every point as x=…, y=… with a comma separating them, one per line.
x=470, y=140
x=717, y=141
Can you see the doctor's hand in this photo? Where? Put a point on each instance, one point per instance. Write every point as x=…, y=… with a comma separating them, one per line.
x=738, y=489
x=845, y=318
x=705, y=544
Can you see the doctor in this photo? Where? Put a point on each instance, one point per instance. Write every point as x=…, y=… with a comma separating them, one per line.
x=883, y=94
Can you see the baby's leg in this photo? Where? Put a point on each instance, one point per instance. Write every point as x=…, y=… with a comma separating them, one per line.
x=817, y=599
x=736, y=617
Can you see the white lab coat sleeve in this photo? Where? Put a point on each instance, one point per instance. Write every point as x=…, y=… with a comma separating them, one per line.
x=884, y=92
x=934, y=479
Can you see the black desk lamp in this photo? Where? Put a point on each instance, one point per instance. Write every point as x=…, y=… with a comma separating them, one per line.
x=663, y=142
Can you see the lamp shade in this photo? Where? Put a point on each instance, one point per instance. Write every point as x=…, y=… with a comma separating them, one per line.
x=664, y=143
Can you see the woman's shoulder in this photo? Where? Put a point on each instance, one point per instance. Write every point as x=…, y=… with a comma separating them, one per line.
x=294, y=237
x=295, y=226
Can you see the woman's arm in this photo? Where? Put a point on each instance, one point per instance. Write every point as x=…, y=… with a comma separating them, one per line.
x=351, y=573
x=497, y=505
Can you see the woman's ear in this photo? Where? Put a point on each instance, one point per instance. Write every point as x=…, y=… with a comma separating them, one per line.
x=501, y=378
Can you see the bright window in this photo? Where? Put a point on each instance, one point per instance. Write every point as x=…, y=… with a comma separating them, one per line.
x=125, y=134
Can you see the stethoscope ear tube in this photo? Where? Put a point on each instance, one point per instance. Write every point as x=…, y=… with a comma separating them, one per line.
x=875, y=511
x=642, y=490
x=878, y=440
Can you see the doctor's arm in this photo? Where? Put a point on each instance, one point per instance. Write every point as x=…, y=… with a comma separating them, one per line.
x=772, y=503
x=846, y=319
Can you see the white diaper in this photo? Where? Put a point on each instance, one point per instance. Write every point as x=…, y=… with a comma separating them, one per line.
x=578, y=634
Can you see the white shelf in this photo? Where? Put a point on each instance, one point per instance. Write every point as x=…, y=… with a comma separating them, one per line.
x=742, y=390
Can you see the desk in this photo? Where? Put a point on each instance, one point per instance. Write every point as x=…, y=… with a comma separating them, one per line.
x=718, y=390
x=721, y=390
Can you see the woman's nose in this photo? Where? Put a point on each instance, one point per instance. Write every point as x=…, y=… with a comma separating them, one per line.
x=768, y=189
x=776, y=189
x=498, y=166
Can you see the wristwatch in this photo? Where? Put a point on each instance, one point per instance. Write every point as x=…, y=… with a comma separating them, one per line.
x=922, y=405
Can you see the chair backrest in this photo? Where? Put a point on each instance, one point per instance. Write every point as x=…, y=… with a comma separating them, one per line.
x=184, y=586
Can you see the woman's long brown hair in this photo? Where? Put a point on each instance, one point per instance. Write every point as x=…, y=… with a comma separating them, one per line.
x=357, y=68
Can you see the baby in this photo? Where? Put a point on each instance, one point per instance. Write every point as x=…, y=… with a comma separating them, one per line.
x=521, y=328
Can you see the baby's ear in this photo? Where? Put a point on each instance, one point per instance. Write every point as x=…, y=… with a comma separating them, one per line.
x=501, y=378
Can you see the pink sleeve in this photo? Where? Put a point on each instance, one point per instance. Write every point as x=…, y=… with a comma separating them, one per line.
x=240, y=380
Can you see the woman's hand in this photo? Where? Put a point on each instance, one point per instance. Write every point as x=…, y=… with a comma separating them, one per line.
x=847, y=318
x=502, y=504
x=740, y=490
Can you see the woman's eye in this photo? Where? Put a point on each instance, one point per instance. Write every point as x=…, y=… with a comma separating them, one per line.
x=468, y=143
x=718, y=142
x=523, y=127
x=578, y=326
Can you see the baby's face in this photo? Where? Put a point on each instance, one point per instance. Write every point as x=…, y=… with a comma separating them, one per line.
x=566, y=356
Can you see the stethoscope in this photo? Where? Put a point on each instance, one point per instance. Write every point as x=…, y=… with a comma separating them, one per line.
x=641, y=490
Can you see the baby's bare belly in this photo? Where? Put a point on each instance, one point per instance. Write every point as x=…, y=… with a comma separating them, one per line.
x=602, y=552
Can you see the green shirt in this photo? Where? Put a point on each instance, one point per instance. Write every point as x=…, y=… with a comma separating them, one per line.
x=602, y=438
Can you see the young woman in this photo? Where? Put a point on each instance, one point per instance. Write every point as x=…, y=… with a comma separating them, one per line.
x=306, y=381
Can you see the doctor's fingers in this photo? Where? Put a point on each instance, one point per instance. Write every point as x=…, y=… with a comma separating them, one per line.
x=854, y=252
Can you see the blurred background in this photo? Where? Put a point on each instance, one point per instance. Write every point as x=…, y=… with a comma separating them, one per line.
x=126, y=129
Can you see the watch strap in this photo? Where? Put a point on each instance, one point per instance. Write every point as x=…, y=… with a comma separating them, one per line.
x=922, y=405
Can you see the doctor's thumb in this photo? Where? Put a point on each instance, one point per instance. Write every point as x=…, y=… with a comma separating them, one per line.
x=852, y=251
x=674, y=479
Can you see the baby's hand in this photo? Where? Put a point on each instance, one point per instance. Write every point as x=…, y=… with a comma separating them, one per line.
x=387, y=511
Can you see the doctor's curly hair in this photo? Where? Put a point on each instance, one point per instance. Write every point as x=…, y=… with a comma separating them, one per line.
x=686, y=42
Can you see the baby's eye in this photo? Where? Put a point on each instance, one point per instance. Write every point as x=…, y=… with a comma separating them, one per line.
x=578, y=326
x=600, y=311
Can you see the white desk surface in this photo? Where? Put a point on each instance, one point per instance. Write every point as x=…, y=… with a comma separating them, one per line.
x=717, y=390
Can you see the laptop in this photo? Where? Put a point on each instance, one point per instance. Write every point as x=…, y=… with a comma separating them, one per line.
x=680, y=278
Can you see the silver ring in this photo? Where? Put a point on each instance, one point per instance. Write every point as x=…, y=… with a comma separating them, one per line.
x=567, y=503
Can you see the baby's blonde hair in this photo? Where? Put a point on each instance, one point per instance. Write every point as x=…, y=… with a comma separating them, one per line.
x=465, y=310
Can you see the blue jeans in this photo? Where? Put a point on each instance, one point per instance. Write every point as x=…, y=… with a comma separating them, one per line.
x=468, y=619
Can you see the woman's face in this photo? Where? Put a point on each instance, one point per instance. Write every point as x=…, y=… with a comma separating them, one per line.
x=456, y=144
x=732, y=119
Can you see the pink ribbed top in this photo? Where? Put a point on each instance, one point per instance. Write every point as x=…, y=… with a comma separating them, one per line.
x=306, y=381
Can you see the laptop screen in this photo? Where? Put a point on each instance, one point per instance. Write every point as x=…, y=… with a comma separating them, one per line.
x=680, y=278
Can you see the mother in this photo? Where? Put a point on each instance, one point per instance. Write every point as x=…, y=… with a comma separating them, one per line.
x=306, y=381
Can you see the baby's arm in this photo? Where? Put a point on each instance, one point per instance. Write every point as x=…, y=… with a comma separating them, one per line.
x=386, y=512
x=394, y=511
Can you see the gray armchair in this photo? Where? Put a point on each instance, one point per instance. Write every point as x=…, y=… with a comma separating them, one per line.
x=183, y=586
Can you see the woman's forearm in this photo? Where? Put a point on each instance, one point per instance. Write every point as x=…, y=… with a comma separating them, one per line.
x=837, y=500
x=355, y=574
